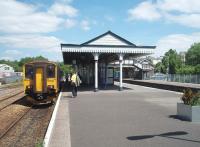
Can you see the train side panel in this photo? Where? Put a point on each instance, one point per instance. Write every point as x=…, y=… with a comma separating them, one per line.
x=28, y=82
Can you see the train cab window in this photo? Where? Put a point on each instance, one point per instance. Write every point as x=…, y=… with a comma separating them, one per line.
x=29, y=72
x=51, y=71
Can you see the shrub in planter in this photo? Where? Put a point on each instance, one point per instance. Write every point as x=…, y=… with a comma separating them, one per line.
x=190, y=98
x=190, y=108
x=195, y=100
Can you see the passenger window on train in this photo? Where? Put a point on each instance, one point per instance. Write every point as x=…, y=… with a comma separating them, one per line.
x=51, y=71
x=29, y=72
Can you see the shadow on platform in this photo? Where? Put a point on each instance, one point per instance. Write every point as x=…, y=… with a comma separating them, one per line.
x=170, y=135
x=82, y=88
x=177, y=117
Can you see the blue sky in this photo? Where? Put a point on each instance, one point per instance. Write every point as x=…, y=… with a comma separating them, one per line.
x=37, y=27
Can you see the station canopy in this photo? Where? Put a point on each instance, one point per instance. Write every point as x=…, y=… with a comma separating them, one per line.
x=108, y=46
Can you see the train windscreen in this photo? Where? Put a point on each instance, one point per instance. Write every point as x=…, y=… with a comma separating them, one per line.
x=51, y=71
x=29, y=72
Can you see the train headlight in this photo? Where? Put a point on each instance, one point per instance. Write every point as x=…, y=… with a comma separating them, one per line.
x=51, y=86
x=29, y=87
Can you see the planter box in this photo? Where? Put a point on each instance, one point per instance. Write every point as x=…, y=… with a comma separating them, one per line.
x=187, y=112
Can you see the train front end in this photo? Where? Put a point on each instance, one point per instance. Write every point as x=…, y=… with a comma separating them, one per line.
x=41, y=82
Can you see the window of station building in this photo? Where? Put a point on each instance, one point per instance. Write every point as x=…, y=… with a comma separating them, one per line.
x=29, y=72
x=51, y=71
x=7, y=68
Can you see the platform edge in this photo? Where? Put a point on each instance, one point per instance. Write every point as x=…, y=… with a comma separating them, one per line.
x=51, y=123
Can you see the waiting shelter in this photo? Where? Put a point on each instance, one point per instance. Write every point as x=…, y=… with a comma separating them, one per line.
x=92, y=57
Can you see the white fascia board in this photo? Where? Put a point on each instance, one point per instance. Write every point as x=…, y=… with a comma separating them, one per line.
x=107, y=50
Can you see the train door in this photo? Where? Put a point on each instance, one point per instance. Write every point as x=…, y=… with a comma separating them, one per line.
x=39, y=79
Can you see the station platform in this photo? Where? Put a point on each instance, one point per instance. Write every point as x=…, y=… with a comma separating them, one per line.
x=58, y=132
x=137, y=116
x=173, y=86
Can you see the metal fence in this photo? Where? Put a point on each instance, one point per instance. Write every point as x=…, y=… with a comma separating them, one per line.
x=183, y=78
x=10, y=79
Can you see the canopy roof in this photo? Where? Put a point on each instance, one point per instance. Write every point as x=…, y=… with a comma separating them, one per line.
x=108, y=42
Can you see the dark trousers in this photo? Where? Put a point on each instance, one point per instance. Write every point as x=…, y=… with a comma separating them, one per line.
x=74, y=90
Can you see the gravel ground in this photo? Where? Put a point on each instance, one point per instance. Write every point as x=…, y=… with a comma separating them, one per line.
x=9, y=92
x=11, y=113
x=11, y=100
x=30, y=130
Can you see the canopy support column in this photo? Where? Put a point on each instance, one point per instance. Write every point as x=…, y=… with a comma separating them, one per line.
x=121, y=72
x=96, y=58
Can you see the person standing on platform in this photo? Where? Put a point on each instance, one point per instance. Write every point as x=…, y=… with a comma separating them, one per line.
x=75, y=82
x=68, y=80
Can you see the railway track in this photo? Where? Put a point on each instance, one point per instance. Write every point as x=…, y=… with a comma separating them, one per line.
x=28, y=128
x=12, y=114
x=22, y=124
x=9, y=101
x=10, y=96
x=6, y=130
x=4, y=87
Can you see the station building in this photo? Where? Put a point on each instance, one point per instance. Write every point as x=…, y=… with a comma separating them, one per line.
x=92, y=58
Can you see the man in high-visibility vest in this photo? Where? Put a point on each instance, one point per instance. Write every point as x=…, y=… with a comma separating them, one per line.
x=75, y=82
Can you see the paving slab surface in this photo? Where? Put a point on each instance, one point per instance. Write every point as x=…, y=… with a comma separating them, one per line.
x=60, y=136
x=136, y=117
x=171, y=83
x=161, y=84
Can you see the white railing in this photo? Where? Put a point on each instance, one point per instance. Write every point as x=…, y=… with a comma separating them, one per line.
x=10, y=79
x=183, y=78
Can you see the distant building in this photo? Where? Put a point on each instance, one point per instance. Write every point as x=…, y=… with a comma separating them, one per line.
x=139, y=68
x=155, y=60
x=144, y=68
x=8, y=75
x=6, y=70
x=182, y=55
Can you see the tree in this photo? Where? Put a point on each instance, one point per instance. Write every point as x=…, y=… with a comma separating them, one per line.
x=17, y=65
x=25, y=60
x=30, y=59
x=159, y=67
x=171, y=62
x=65, y=68
x=40, y=58
x=193, y=55
x=186, y=69
x=197, y=69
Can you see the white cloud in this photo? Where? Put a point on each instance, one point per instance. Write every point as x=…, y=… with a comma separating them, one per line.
x=85, y=25
x=109, y=18
x=186, y=6
x=6, y=58
x=13, y=52
x=61, y=9
x=69, y=23
x=184, y=12
x=180, y=42
x=23, y=25
x=18, y=17
x=15, y=8
x=36, y=42
x=144, y=11
x=35, y=23
x=64, y=1
x=191, y=20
